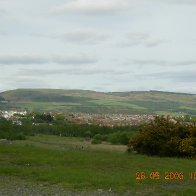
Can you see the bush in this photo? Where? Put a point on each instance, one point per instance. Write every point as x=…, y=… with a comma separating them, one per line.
x=96, y=141
x=118, y=138
x=9, y=131
x=100, y=137
x=187, y=147
x=20, y=137
x=87, y=134
x=165, y=137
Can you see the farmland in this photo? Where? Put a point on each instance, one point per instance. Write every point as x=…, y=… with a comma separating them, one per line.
x=67, y=101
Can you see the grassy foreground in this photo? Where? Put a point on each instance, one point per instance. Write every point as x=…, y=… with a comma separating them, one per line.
x=76, y=165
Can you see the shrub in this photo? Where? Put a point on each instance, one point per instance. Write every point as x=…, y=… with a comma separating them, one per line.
x=100, y=137
x=165, y=137
x=118, y=138
x=87, y=134
x=96, y=141
x=187, y=147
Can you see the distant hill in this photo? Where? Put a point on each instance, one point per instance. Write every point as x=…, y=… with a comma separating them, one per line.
x=136, y=102
x=2, y=98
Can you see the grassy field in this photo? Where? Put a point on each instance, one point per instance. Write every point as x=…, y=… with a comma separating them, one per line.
x=108, y=102
x=73, y=164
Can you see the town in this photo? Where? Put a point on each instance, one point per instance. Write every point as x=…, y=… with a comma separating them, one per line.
x=109, y=120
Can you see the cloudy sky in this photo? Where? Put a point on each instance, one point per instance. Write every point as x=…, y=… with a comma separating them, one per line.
x=102, y=45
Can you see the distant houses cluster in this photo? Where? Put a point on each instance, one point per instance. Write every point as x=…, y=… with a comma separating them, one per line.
x=10, y=114
x=109, y=119
x=13, y=115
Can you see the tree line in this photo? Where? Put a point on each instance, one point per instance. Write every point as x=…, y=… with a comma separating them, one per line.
x=47, y=124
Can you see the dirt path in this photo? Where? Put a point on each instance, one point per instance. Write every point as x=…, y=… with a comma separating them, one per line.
x=11, y=186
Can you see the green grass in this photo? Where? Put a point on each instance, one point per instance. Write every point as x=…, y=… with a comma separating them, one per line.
x=45, y=106
x=188, y=108
x=117, y=103
x=171, y=113
x=78, y=165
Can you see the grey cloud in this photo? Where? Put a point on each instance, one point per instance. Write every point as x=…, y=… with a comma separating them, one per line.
x=186, y=63
x=186, y=2
x=82, y=59
x=135, y=39
x=29, y=59
x=138, y=36
x=84, y=37
x=3, y=33
x=93, y=7
x=163, y=63
x=2, y=12
x=95, y=72
x=9, y=60
x=180, y=76
x=149, y=62
x=153, y=43
x=78, y=37
x=71, y=71
x=23, y=82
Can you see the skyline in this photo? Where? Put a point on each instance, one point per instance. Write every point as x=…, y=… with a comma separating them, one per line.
x=100, y=45
x=106, y=92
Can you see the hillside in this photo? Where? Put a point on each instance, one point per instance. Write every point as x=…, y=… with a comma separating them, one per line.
x=141, y=102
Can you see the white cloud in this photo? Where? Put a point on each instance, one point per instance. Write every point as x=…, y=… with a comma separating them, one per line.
x=93, y=6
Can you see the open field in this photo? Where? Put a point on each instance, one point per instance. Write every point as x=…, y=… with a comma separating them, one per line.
x=71, y=165
x=108, y=102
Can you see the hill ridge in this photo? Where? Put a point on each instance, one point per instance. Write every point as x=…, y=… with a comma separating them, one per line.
x=105, y=92
x=87, y=101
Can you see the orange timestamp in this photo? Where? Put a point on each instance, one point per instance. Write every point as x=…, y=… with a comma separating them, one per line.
x=192, y=175
x=155, y=175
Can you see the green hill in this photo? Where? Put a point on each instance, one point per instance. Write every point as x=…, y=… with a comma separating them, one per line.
x=58, y=100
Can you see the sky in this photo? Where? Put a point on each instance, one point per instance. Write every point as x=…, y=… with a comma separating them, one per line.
x=101, y=45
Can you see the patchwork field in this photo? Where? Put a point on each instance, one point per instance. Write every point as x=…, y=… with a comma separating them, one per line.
x=146, y=102
x=50, y=164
